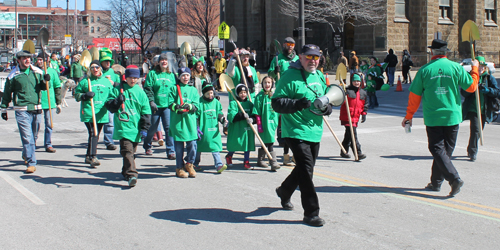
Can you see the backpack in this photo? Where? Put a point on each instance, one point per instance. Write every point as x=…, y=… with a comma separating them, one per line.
x=495, y=104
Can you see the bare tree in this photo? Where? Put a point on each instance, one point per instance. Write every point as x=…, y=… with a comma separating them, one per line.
x=200, y=18
x=57, y=30
x=117, y=22
x=338, y=13
x=145, y=19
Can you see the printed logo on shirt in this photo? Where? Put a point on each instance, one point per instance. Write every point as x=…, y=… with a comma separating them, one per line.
x=441, y=91
x=315, y=86
x=440, y=75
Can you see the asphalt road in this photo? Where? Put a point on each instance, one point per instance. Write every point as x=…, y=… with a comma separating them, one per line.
x=378, y=203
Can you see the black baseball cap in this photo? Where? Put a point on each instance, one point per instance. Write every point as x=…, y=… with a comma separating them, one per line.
x=438, y=44
x=310, y=49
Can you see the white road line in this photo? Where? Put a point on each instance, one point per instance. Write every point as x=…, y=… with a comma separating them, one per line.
x=28, y=194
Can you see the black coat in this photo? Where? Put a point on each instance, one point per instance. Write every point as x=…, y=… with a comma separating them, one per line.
x=470, y=98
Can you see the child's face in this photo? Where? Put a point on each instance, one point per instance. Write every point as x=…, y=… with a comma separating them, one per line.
x=267, y=84
x=242, y=95
x=185, y=78
x=363, y=63
x=356, y=84
x=131, y=81
x=209, y=94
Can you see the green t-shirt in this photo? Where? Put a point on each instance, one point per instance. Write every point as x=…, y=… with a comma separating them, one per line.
x=110, y=72
x=136, y=104
x=101, y=87
x=268, y=116
x=54, y=84
x=157, y=87
x=439, y=82
x=303, y=125
x=183, y=127
x=208, y=115
x=284, y=63
x=240, y=136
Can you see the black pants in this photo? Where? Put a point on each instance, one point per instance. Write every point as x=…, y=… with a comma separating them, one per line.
x=474, y=132
x=127, y=150
x=305, y=156
x=347, y=142
x=442, y=141
x=406, y=70
x=92, y=146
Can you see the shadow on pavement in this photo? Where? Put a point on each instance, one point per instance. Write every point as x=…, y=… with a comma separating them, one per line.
x=61, y=181
x=193, y=216
x=380, y=189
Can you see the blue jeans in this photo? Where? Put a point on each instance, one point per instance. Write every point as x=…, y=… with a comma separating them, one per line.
x=164, y=115
x=28, y=124
x=215, y=155
x=390, y=74
x=47, y=139
x=191, y=147
x=108, y=130
x=246, y=155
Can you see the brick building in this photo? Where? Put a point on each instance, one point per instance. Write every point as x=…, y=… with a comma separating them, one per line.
x=408, y=25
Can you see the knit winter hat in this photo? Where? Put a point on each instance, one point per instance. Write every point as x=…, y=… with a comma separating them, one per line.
x=207, y=88
x=132, y=71
x=241, y=87
x=183, y=70
x=356, y=78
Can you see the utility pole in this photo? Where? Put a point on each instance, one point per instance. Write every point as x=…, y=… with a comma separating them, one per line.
x=67, y=17
x=15, y=31
x=302, y=37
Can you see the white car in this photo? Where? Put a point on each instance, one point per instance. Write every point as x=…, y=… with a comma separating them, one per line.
x=466, y=63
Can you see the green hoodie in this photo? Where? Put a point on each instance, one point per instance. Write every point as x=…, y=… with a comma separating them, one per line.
x=101, y=87
x=268, y=116
x=183, y=127
x=157, y=87
x=208, y=114
x=136, y=104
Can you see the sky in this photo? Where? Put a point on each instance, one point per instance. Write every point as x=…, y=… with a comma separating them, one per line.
x=96, y=4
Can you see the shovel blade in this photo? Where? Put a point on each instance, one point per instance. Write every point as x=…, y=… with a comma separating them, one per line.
x=233, y=34
x=470, y=32
x=225, y=79
x=43, y=37
x=94, y=53
x=278, y=47
x=29, y=46
x=85, y=59
x=185, y=48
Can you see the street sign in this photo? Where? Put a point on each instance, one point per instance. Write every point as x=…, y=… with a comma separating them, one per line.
x=223, y=31
x=221, y=44
x=67, y=39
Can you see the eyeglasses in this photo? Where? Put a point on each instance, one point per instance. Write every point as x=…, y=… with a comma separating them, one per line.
x=312, y=57
x=290, y=44
x=94, y=67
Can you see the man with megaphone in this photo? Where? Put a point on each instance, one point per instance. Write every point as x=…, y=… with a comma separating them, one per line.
x=302, y=129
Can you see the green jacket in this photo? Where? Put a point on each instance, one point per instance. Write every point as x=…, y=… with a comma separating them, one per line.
x=114, y=77
x=237, y=76
x=76, y=70
x=23, y=89
x=283, y=62
x=240, y=136
x=102, y=88
x=208, y=114
x=54, y=64
x=183, y=127
x=136, y=105
x=302, y=125
x=55, y=91
x=269, y=118
x=438, y=83
x=157, y=87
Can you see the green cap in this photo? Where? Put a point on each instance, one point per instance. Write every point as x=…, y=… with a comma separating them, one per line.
x=106, y=54
x=356, y=77
x=481, y=60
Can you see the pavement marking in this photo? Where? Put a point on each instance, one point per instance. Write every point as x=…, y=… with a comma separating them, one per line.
x=24, y=191
x=471, y=209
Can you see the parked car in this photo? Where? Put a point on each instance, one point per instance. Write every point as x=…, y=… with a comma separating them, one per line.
x=466, y=63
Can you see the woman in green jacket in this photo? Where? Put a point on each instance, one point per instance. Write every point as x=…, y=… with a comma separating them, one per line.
x=267, y=123
x=240, y=136
x=101, y=87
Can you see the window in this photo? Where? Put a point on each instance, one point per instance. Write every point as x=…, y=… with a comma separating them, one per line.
x=401, y=11
x=98, y=18
x=91, y=29
x=490, y=12
x=445, y=10
x=98, y=29
x=92, y=19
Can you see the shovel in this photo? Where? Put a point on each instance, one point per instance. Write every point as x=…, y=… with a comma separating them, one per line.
x=43, y=39
x=228, y=82
x=279, y=50
x=470, y=33
x=233, y=37
x=123, y=113
x=85, y=61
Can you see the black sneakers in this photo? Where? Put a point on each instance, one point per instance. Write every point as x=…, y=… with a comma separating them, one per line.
x=286, y=204
x=432, y=187
x=314, y=221
x=455, y=187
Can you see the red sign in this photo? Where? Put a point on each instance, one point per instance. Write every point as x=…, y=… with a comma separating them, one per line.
x=114, y=43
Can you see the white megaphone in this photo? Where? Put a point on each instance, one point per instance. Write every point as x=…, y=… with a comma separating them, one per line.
x=334, y=96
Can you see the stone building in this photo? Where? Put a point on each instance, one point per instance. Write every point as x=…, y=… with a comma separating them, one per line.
x=408, y=25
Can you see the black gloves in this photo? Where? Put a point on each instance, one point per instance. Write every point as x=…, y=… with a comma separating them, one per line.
x=4, y=116
x=302, y=103
x=363, y=118
x=154, y=108
x=87, y=96
x=221, y=119
x=277, y=69
x=46, y=77
x=239, y=117
x=328, y=110
x=120, y=99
